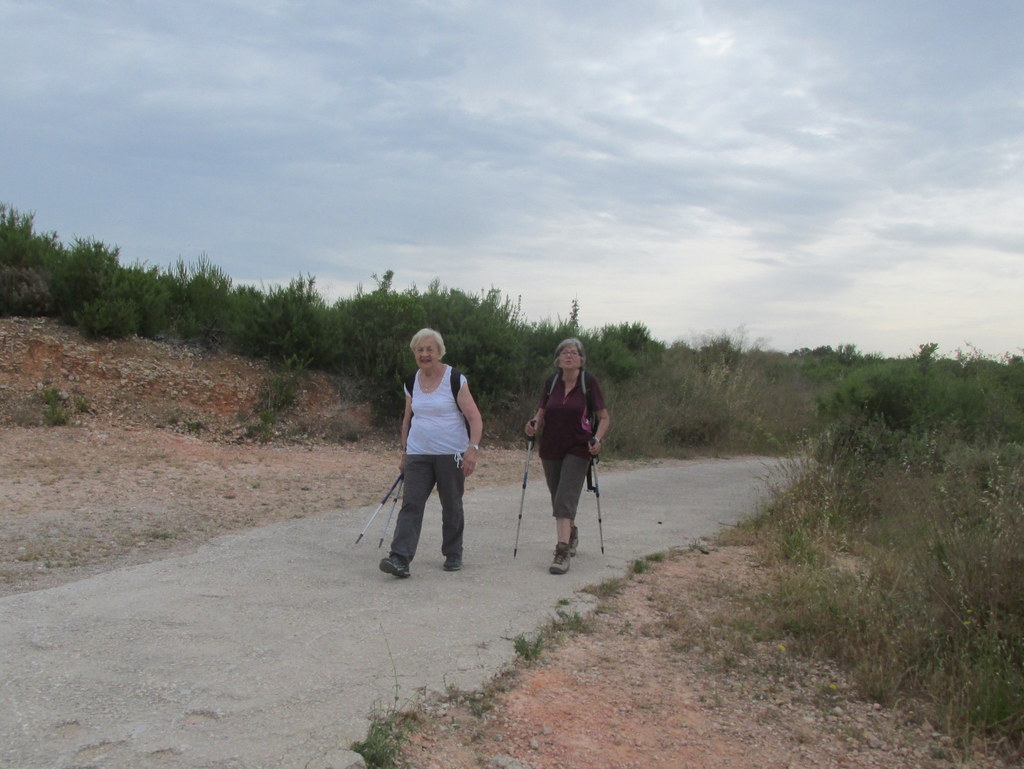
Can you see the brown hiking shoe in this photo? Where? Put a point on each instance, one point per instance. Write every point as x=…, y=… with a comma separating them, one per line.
x=561, y=563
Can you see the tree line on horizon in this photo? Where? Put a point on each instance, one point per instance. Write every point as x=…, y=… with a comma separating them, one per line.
x=718, y=392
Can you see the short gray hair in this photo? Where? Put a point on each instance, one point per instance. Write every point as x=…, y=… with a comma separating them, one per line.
x=570, y=342
x=422, y=334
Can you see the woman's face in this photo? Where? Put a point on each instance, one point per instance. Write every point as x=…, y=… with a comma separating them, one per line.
x=427, y=352
x=569, y=358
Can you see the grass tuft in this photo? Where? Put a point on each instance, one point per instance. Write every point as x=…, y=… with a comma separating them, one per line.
x=385, y=737
x=527, y=649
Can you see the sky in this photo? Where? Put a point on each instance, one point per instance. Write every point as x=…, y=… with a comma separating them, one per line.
x=793, y=173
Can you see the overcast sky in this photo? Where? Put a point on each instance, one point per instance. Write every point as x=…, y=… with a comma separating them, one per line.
x=796, y=172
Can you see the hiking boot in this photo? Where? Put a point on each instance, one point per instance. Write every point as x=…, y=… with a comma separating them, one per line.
x=574, y=540
x=452, y=563
x=394, y=564
x=561, y=563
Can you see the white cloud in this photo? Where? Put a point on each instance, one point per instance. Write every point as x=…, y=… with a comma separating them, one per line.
x=813, y=173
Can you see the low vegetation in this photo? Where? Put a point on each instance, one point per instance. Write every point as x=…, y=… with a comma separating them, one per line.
x=898, y=537
x=382, y=747
x=897, y=533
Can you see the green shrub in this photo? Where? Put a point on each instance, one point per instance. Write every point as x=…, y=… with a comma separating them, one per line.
x=23, y=291
x=570, y=622
x=900, y=556
x=25, y=259
x=687, y=402
x=639, y=566
x=484, y=338
x=976, y=398
x=719, y=352
x=286, y=323
x=83, y=275
x=623, y=351
x=133, y=301
x=527, y=649
x=199, y=302
x=382, y=747
x=825, y=365
x=56, y=412
x=113, y=317
x=376, y=328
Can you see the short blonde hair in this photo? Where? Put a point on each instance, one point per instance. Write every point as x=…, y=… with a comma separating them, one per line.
x=422, y=334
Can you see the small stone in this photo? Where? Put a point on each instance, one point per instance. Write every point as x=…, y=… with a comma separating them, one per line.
x=338, y=759
x=506, y=762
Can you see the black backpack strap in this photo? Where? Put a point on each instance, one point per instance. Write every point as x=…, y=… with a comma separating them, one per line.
x=456, y=382
x=551, y=383
x=586, y=376
x=587, y=392
x=588, y=395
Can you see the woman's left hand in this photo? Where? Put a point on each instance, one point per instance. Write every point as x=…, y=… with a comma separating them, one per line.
x=469, y=461
x=595, y=446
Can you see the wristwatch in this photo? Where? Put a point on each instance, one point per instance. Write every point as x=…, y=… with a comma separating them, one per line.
x=475, y=446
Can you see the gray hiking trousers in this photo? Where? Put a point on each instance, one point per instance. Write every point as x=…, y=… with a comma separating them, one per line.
x=422, y=473
x=565, y=479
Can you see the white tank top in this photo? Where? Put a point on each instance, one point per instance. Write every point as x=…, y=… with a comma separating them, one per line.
x=438, y=426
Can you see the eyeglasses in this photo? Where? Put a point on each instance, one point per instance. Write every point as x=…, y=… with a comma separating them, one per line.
x=569, y=351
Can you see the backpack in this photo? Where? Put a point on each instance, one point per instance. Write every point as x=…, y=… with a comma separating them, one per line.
x=456, y=382
x=591, y=412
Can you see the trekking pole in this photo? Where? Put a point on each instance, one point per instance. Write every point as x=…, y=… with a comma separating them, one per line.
x=522, y=497
x=400, y=476
x=391, y=512
x=597, y=493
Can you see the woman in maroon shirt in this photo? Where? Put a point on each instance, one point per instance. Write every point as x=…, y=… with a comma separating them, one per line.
x=569, y=441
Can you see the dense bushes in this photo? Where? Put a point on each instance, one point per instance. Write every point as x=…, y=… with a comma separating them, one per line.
x=376, y=328
x=980, y=398
x=364, y=336
x=25, y=259
x=900, y=538
x=199, y=298
x=716, y=394
x=285, y=323
x=486, y=333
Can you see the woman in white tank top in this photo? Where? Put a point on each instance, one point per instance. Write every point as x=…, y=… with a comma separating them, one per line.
x=437, y=452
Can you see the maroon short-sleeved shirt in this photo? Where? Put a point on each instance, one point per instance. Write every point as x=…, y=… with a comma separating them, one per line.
x=566, y=430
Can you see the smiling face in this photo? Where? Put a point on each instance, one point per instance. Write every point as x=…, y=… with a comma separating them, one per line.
x=428, y=352
x=427, y=347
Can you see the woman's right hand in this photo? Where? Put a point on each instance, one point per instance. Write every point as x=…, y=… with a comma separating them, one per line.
x=531, y=428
